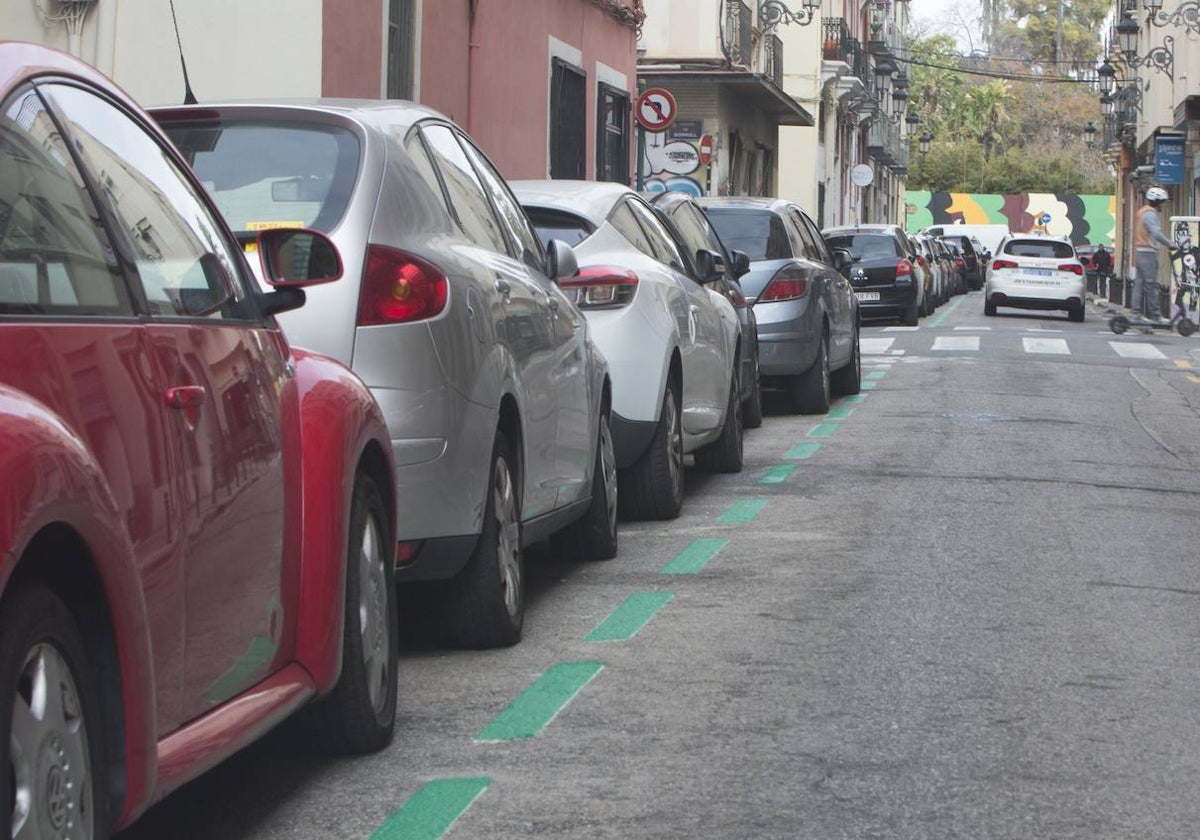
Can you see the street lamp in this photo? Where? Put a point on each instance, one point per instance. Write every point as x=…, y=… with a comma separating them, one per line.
x=771, y=13
x=1089, y=135
x=1161, y=58
x=911, y=121
x=1186, y=15
x=925, y=140
x=1107, y=74
x=1106, y=104
x=883, y=78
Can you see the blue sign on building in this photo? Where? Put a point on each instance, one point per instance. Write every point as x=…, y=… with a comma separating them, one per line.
x=1168, y=159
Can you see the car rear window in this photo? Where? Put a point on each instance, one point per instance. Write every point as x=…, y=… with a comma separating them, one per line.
x=865, y=245
x=272, y=174
x=962, y=242
x=760, y=233
x=1039, y=248
x=555, y=224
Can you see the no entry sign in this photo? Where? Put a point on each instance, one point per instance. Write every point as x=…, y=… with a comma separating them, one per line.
x=706, y=149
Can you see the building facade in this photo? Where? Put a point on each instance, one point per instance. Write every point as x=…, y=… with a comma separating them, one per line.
x=544, y=86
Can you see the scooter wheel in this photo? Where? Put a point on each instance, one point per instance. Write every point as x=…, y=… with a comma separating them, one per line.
x=1118, y=324
x=1186, y=327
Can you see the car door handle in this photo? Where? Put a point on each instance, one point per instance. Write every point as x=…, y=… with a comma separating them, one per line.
x=186, y=396
x=504, y=288
x=553, y=303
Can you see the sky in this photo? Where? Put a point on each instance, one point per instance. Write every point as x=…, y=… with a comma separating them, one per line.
x=942, y=16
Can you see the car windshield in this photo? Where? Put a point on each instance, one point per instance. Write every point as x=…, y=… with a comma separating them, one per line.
x=551, y=224
x=865, y=245
x=1039, y=248
x=759, y=233
x=264, y=175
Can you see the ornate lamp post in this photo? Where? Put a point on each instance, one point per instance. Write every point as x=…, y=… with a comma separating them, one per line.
x=1089, y=135
x=772, y=13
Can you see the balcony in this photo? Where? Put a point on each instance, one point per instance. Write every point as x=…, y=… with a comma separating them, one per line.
x=773, y=59
x=883, y=141
x=739, y=24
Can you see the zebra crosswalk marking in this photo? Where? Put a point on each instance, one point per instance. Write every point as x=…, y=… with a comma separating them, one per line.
x=956, y=342
x=1055, y=346
x=1141, y=350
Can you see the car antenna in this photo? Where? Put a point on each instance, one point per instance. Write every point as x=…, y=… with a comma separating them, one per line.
x=189, y=98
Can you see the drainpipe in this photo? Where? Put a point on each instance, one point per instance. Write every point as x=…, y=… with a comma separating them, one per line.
x=106, y=36
x=472, y=49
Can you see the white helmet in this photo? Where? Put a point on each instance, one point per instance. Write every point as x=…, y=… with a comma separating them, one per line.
x=1157, y=194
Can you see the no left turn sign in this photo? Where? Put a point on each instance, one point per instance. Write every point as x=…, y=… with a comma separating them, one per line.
x=655, y=109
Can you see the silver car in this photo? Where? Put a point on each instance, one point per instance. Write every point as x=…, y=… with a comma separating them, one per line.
x=496, y=400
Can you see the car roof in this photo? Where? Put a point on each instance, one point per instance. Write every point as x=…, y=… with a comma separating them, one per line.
x=593, y=200
x=381, y=114
x=23, y=60
x=777, y=205
x=882, y=230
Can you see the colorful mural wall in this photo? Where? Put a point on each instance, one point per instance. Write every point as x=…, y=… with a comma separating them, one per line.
x=1082, y=218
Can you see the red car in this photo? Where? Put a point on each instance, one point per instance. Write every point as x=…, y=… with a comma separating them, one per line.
x=196, y=519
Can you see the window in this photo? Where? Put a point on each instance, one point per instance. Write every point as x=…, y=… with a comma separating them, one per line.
x=822, y=250
x=553, y=224
x=55, y=257
x=467, y=197
x=1040, y=248
x=612, y=140
x=511, y=214
x=568, y=120
x=694, y=232
x=866, y=245
x=665, y=249
x=759, y=233
x=421, y=161
x=186, y=266
x=401, y=43
x=626, y=223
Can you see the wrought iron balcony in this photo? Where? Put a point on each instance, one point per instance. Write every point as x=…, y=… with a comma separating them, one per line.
x=739, y=23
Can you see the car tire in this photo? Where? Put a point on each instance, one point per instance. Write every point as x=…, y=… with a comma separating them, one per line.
x=848, y=380
x=57, y=728
x=989, y=308
x=359, y=715
x=594, y=535
x=1076, y=314
x=653, y=487
x=811, y=391
x=752, y=408
x=486, y=602
x=912, y=314
x=725, y=454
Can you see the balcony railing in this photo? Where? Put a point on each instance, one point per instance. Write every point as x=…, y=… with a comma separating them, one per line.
x=837, y=39
x=773, y=60
x=883, y=141
x=739, y=24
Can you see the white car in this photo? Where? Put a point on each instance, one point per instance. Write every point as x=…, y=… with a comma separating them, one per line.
x=671, y=342
x=1035, y=272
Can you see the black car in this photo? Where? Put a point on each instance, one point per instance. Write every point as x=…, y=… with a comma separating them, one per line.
x=692, y=230
x=971, y=257
x=882, y=272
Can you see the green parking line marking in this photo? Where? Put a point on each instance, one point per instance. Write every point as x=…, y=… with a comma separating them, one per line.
x=743, y=512
x=853, y=400
x=875, y=375
x=868, y=386
x=823, y=430
x=778, y=474
x=693, y=558
x=432, y=810
x=803, y=450
x=839, y=413
x=624, y=622
x=539, y=704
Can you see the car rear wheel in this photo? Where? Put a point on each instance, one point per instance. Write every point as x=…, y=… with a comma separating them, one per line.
x=989, y=308
x=653, y=487
x=848, y=380
x=1076, y=314
x=53, y=740
x=486, y=602
x=359, y=715
x=594, y=535
x=810, y=392
x=724, y=455
x=912, y=313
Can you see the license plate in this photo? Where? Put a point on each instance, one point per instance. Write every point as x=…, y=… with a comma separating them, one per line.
x=1039, y=272
x=867, y=295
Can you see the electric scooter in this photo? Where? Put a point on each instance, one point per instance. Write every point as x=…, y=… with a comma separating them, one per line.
x=1187, y=284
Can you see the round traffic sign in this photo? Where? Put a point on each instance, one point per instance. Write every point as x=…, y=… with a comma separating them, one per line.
x=655, y=109
x=706, y=149
x=862, y=175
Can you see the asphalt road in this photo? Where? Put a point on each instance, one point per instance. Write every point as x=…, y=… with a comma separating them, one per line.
x=964, y=605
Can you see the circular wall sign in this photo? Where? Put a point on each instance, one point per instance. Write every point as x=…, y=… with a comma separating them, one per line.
x=655, y=109
x=862, y=175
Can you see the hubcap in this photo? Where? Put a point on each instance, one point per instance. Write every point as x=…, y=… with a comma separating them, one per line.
x=49, y=762
x=608, y=466
x=373, y=612
x=508, y=538
x=675, y=443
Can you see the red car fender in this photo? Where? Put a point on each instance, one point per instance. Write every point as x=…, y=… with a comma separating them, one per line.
x=50, y=477
x=338, y=420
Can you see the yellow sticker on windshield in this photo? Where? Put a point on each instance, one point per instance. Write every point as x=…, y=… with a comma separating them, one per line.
x=272, y=225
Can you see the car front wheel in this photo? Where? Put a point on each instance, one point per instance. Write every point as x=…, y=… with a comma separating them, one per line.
x=54, y=763
x=653, y=487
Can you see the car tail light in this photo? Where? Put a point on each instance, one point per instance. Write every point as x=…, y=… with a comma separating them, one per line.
x=904, y=271
x=1074, y=268
x=737, y=298
x=790, y=283
x=960, y=262
x=399, y=288
x=600, y=287
x=999, y=264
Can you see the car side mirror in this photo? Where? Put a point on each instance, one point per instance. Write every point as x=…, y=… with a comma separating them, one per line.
x=710, y=266
x=561, y=261
x=843, y=259
x=294, y=258
x=741, y=263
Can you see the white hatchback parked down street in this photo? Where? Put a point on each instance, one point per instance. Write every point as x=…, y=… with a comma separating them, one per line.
x=672, y=343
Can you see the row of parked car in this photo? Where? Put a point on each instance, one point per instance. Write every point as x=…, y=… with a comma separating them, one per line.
x=220, y=462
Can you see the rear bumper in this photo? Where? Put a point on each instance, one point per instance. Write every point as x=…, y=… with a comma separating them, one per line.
x=893, y=301
x=789, y=333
